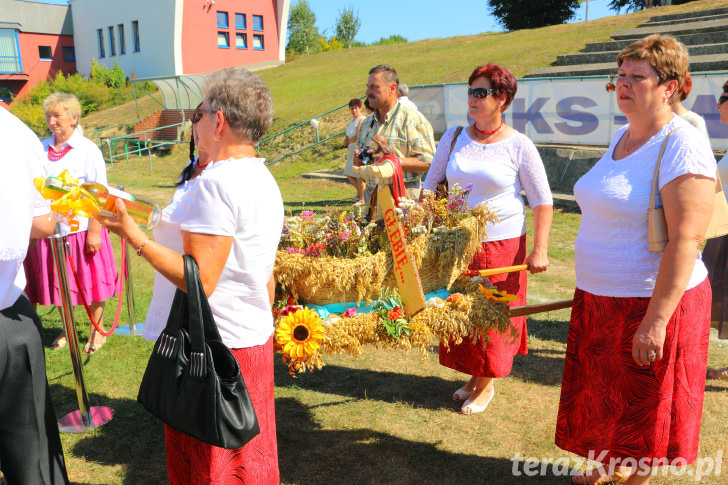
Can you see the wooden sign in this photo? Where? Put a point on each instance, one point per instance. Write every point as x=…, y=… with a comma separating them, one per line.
x=405, y=270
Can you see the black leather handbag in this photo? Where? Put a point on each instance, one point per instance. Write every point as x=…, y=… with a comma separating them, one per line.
x=192, y=381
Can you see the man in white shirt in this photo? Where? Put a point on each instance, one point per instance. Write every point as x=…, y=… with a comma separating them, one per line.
x=30, y=448
x=403, y=96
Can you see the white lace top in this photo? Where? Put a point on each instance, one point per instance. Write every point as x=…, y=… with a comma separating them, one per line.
x=497, y=171
x=611, y=255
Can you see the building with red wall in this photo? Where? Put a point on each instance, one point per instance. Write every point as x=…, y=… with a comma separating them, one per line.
x=176, y=37
x=36, y=42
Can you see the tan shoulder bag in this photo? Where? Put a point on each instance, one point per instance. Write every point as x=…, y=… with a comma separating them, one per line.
x=657, y=224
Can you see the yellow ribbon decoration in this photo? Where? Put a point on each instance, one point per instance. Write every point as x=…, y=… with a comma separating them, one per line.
x=495, y=295
x=75, y=202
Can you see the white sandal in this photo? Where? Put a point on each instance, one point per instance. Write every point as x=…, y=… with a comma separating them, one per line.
x=461, y=394
x=472, y=408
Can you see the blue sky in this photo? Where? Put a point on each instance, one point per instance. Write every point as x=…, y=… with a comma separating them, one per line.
x=382, y=18
x=423, y=19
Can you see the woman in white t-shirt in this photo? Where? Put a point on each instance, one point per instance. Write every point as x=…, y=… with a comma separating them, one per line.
x=229, y=218
x=352, y=134
x=498, y=162
x=715, y=255
x=636, y=355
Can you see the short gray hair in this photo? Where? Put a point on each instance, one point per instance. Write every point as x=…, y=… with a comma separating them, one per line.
x=67, y=101
x=389, y=74
x=403, y=89
x=243, y=98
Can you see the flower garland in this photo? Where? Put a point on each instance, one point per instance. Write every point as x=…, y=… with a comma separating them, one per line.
x=303, y=337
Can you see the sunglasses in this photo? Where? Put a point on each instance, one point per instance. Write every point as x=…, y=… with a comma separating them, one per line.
x=197, y=115
x=723, y=98
x=480, y=93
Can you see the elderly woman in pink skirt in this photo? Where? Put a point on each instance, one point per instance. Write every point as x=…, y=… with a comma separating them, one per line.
x=90, y=248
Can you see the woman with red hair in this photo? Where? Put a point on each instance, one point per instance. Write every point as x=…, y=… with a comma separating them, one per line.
x=497, y=161
x=677, y=107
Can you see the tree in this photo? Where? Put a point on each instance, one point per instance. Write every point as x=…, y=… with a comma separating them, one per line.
x=627, y=5
x=529, y=14
x=303, y=36
x=347, y=26
x=634, y=5
x=392, y=39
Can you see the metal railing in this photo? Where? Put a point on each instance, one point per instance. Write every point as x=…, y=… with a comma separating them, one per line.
x=142, y=144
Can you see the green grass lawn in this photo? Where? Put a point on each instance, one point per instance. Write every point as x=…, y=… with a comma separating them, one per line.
x=386, y=416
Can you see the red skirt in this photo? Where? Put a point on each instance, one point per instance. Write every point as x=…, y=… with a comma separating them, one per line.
x=616, y=409
x=190, y=461
x=494, y=358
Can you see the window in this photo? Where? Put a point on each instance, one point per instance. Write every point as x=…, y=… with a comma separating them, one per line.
x=44, y=52
x=240, y=21
x=223, y=40
x=102, y=53
x=135, y=34
x=6, y=92
x=257, y=22
x=112, y=41
x=9, y=51
x=69, y=54
x=122, y=39
x=222, y=20
x=241, y=41
x=258, y=42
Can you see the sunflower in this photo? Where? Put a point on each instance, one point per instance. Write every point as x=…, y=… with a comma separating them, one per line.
x=299, y=334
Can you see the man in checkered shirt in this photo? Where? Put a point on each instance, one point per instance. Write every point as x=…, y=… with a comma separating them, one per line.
x=406, y=130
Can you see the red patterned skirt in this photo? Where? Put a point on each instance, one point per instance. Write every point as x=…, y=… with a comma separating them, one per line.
x=494, y=358
x=616, y=409
x=190, y=461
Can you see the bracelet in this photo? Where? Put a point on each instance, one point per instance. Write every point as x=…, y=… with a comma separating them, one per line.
x=139, y=249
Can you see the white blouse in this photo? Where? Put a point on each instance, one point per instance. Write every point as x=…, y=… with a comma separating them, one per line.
x=84, y=162
x=611, y=254
x=21, y=156
x=237, y=198
x=497, y=171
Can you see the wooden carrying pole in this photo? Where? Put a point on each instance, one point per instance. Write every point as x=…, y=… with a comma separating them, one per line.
x=520, y=311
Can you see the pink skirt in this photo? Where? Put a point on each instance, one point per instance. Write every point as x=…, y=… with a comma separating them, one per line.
x=190, y=461
x=96, y=272
x=612, y=408
x=495, y=357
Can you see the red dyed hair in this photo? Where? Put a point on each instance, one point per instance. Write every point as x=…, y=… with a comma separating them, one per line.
x=686, y=87
x=501, y=80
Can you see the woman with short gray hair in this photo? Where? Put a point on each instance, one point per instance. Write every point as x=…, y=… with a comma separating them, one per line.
x=89, y=245
x=229, y=219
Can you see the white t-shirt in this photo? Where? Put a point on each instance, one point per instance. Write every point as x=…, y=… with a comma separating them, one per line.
x=237, y=198
x=611, y=255
x=408, y=102
x=697, y=121
x=723, y=171
x=166, y=233
x=21, y=156
x=497, y=171
x=84, y=162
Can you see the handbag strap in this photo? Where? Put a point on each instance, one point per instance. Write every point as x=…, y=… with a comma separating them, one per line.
x=655, y=181
x=201, y=322
x=455, y=136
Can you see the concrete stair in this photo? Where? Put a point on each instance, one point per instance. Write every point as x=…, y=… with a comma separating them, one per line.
x=705, y=33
